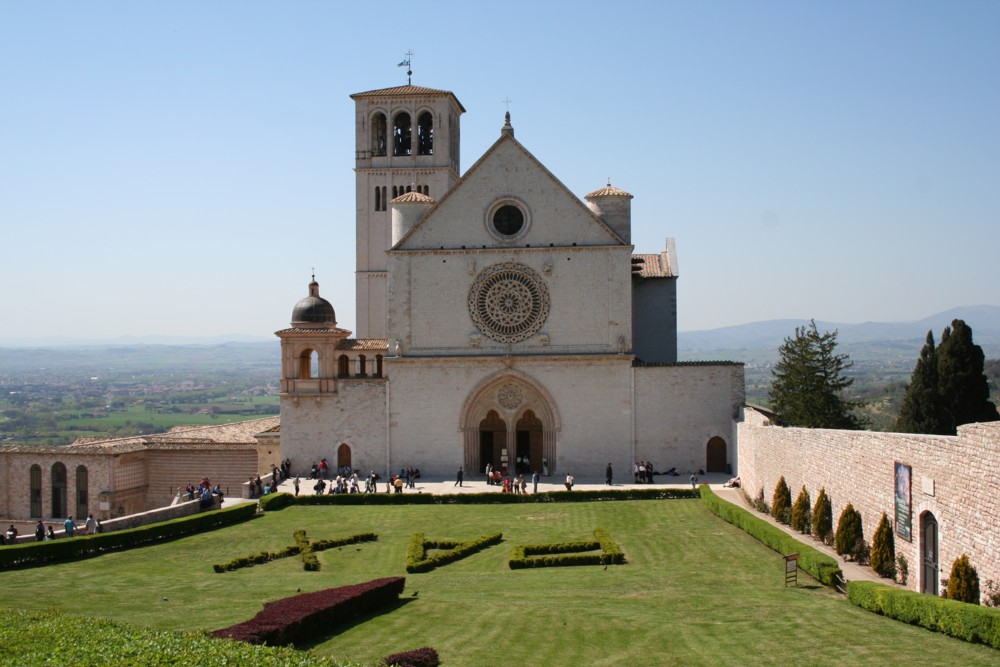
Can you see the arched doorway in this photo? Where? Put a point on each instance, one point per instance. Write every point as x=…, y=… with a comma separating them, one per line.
x=343, y=457
x=928, y=554
x=493, y=441
x=58, y=490
x=715, y=455
x=528, y=443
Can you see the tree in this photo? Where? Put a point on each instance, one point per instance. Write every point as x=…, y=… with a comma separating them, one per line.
x=849, y=531
x=963, y=584
x=948, y=387
x=884, y=549
x=781, y=501
x=920, y=411
x=822, y=518
x=809, y=382
x=801, y=521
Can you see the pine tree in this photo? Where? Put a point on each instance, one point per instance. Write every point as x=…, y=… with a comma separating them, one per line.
x=781, y=501
x=809, y=382
x=801, y=521
x=921, y=411
x=884, y=549
x=849, y=531
x=822, y=518
x=963, y=584
x=962, y=386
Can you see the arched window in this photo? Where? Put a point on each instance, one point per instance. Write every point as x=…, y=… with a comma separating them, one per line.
x=343, y=367
x=409, y=188
x=378, y=365
x=82, y=495
x=362, y=365
x=425, y=134
x=308, y=365
x=378, y=198
x=58, y=490
x=395, y=192
x=401, y=134
x=378, y=135
x=36, y=491
x=427, y=190
x=385, y=202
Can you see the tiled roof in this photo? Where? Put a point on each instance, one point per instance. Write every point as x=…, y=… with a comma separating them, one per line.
x=364, y=344
x=654, y=265
x=400, y=91
x=312, y=330
x=608, y=191
x=412, y=198
x=235, y=432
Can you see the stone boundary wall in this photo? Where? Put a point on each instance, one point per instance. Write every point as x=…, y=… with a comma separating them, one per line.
x=957, y=478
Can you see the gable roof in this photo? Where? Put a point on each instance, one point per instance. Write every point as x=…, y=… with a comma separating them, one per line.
x=508, y=137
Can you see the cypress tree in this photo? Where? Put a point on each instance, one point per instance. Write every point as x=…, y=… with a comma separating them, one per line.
x=800, y=512
x=921, y=411
x=822, y=516
x=781, y=501
x=962, y=385
x=849, y=531
x=963, y=584
x=884, y=549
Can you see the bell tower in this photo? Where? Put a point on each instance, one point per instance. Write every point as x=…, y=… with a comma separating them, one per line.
x=407, y=139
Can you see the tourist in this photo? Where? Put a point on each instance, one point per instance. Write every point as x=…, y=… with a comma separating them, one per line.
x=458, y=475
x=296, y=485
x=534, y=481
x=694, y=481
x=323, y=468
x=607, y=475
x=569, y=482
x=90, y=526
x=635, y=472
x=50, y=535
x=70, y=526
x=398, y=484
x=40, y=531
x=12, y=535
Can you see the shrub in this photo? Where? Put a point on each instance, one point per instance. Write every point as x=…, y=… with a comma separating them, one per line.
x=302, y=618
x=801, y=518
x=818, y=565
x=781, y=501
x=822, y=516
x=421, y=657
x=299, y=547
x=759, y=503
x=957, y=619
x=418, y=561
x=568, y=553
x=991, y=596
x=884, y=550
x=902, y=568
x=849, y=531
x=963, y=584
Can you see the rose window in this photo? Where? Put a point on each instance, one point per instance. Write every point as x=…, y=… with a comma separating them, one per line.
x=509, y=302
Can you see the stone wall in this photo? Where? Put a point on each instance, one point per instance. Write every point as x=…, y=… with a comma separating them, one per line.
x=956, y=478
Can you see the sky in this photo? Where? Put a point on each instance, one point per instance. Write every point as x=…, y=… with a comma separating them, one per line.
x=180, y=168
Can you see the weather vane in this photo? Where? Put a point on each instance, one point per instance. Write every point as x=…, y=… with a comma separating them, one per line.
x=409, y=69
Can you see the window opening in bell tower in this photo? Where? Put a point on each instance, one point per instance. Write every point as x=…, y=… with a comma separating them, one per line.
x=401, y=133
x=425, y=134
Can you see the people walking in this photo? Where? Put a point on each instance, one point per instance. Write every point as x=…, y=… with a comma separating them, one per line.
x=458, y=477
x=607, y=475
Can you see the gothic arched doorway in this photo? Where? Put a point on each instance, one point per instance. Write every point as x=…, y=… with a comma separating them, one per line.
x=343, y=457
x=928, y=554
x=715, y=455
x=510, y=421
x=492, y=441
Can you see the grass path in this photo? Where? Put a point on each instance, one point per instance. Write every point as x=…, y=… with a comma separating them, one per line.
x=695, y=591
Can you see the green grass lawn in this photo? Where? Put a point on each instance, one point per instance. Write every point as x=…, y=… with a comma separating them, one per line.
x=695, y=591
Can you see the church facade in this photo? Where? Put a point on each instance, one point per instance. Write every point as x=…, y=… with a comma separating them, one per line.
x=501, y=320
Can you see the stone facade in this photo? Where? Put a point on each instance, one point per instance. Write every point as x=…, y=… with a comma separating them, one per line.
x=955, y=480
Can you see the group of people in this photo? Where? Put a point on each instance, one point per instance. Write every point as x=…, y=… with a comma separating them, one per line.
x=507, y=484
x=258, y=489
x=642, y=472
x=203, y=491
x=342, y=484
x=44, y=533
x=282, y=471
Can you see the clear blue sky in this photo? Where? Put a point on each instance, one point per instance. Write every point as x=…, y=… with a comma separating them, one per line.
x=179, y=167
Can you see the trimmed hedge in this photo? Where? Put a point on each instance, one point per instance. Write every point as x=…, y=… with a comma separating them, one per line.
x=28, y=554
x=277, y=501
x=951, y=617
x=304, y=618
x=818, y=565
x=418, y=561
x=563, y=554
x=421, y=657
x=294, y=549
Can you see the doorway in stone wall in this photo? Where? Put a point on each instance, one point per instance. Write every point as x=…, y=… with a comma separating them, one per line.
x=929, y=554
x=343, y=457
x=715, y=455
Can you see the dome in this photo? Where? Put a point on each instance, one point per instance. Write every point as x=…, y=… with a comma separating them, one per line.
x=313, y=310
x=608, y=191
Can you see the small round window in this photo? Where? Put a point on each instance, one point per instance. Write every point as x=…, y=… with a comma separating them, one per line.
x=508, y=220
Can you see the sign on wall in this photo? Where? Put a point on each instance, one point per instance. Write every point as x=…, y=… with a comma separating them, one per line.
x=903, y=506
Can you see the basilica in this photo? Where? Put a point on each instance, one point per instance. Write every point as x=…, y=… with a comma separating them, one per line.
x=501, y=320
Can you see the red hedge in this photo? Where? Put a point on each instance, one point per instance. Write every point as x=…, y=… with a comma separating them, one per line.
x=303, y=618
x=421, y=657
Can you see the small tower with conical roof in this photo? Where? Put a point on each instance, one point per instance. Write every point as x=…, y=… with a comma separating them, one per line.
x=613, y=206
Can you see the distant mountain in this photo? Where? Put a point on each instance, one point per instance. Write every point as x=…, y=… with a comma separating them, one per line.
x=66, y=341
x=759, y=341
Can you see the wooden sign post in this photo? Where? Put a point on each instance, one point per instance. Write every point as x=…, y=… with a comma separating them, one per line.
x=792, y=569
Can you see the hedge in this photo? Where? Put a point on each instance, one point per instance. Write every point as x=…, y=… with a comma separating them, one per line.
x=562, y=554
x=277, y=501
x=951, y=617
x=818, y=565
x=304, y=618
x=27, y=554
x=418, y=561
x=293, y=550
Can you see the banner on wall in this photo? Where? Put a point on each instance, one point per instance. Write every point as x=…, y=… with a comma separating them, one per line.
x=903, y=474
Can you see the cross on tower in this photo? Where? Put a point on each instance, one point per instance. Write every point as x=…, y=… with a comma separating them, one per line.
x=409, y=69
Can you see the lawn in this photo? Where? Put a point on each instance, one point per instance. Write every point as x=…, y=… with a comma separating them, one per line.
x=695, y=591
